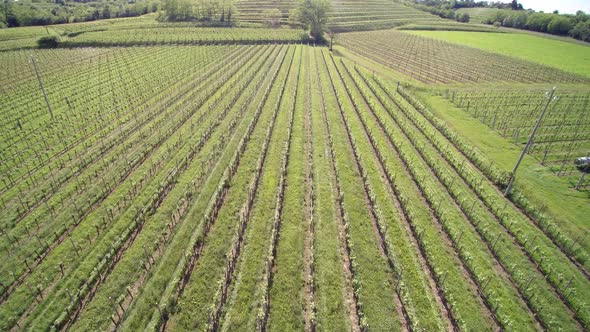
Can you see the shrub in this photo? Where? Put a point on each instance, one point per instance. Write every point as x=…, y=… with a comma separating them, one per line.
x=462, y=17
x=560, y=25
x=48, y=42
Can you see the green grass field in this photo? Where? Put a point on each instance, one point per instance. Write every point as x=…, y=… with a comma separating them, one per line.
x=563, y=55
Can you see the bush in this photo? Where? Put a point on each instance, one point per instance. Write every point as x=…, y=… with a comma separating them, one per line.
x=560, y=25
x=462, y=17
x=539, y=21
x=581, y=31
x=48, y=42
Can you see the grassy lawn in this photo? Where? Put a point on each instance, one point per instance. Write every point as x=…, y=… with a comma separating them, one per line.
x=566, y=56
x=570, y=208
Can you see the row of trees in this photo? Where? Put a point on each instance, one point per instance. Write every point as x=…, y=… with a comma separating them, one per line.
x=311, y=14
x=576, y=26
x=456, y=4
x=213, y=11
x=34, y=12
x=445, y=9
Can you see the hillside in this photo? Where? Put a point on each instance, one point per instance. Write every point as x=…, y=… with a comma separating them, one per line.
x=346, y=15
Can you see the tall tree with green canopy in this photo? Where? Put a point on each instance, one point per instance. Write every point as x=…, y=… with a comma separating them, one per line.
x=314, y=15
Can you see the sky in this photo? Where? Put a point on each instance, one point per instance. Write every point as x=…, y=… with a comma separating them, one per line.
x=564, y=6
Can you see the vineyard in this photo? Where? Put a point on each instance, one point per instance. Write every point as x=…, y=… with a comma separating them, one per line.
x=142, y=32
x=563, y=135
x=263, y=187
x=346, y=15
x=434, y=61
x=184, y=176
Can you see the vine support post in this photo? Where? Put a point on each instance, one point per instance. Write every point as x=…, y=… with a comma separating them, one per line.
x=529, y=143
x=41, y=86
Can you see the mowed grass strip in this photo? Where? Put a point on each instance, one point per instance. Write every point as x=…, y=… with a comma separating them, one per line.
x=416, y=293
x=287, y=301
x=243, y=307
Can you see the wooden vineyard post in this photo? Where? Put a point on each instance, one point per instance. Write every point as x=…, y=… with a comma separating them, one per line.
x=41, y=85
x=528, y=144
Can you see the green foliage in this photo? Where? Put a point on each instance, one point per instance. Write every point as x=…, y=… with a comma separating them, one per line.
x=46, y=12
x=517, y=20
x=48, y=42
x=555, y=23
x=314, y=15
x=581, y=31
x=272, y=16
x=539, y=22
x=177, y=10
x=201, y=10
x=293, y=17
x=560, y=25
x=462, y=17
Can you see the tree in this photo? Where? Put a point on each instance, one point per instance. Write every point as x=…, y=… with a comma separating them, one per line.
x=314, y=16
x=581, y=31
x=581, y=16
x=272, y=16
x=231, y=10
x=519, y=20
x=560, y=25
x=332, y=36
x=538, y=21
x=106, y=11
x=462, y=17
x=48, y=42
x=293, y=17
x=177, y=10
x=6, y=10
x=516, y=6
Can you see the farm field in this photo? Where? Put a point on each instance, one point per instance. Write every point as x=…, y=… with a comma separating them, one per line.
x=512, y=112
x=479, y=15
x=567, y=56
x=143, y=31
x=209, y=203
x=433, y=61
x=346, y=15
x=172, y=177
x=537, y=183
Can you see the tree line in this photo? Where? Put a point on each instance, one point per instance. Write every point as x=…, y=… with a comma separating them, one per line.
x=34, y=12
x=446, y=9
x=213, y=11
x=576, y=26
x=512, y=15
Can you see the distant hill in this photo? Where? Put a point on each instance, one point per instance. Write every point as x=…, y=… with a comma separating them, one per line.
x=346, y=14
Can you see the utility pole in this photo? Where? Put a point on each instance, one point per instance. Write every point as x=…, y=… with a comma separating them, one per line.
x=528, y=144
x=41, y=85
